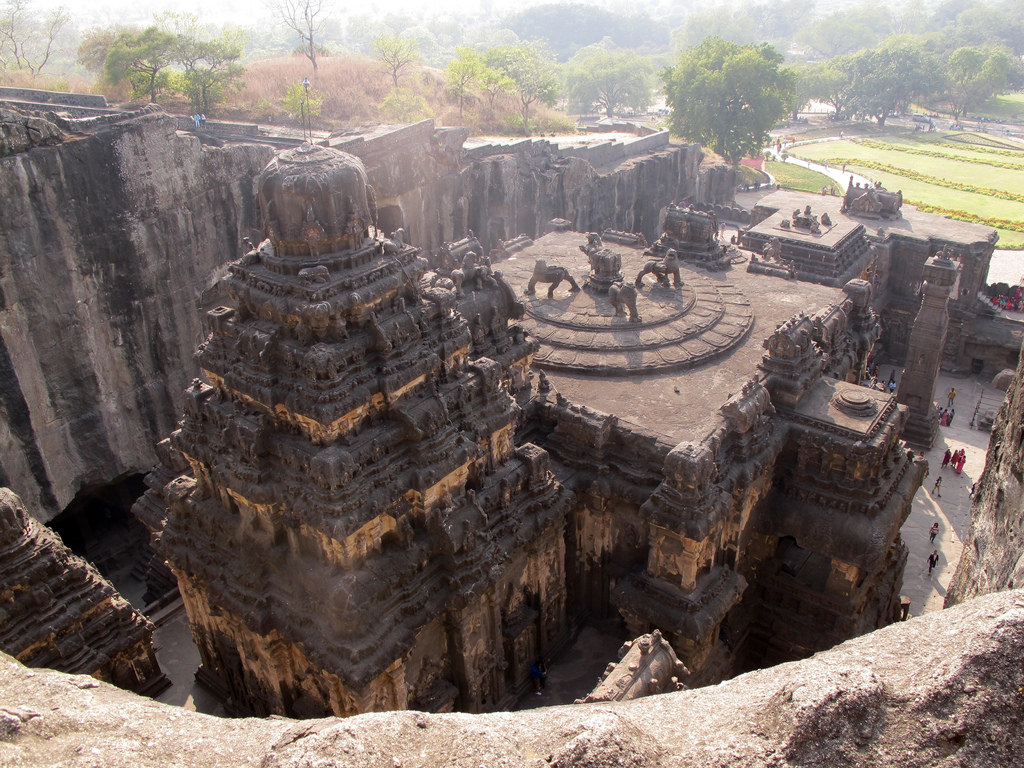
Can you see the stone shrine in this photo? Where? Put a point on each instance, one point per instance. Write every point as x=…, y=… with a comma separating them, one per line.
x=56, y=610
x=358, y=530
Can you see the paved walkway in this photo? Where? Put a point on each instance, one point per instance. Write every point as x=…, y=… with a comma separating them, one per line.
x=952, y=509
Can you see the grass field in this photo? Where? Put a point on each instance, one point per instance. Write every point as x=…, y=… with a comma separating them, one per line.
x=795, y=177
x=962, y=174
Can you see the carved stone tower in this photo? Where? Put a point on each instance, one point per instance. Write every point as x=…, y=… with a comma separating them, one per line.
x=924, y=351
x=358, y=530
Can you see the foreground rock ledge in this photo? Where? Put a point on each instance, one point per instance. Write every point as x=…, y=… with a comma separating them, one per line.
x=946, y=689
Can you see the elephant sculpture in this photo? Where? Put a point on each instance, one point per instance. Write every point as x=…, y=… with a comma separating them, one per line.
x=554, y=275
x=661, y=269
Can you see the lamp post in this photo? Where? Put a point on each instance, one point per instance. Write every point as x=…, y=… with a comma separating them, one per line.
x=305, y=110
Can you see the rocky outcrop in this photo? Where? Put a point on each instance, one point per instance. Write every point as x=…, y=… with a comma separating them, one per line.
x=993, y=555
x=942, y=689
x=20, y=132
x=106, y=241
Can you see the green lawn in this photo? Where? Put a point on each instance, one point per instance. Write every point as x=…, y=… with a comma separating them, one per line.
x=964, y=166
x=963, y=171
x=1009, y=106
x=794, y=177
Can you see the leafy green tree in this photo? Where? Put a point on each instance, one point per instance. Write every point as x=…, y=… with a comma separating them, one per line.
x=28, y=37
x=531, y=74
x=732, y=24
x=463, y=73
x=494, y=82
x=611, y=80
x=831, y=82
x=886, y=80
x=211, y=67
x=142, y=58
x=848, y=30
x=973, y=75
x=404, y=105
x=302, y=104
x=728, y=96
x=396, y=54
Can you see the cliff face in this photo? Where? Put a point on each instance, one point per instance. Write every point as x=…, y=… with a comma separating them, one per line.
x=993, y=555
x=942, y=689
x=106, y=241
x=426, y=183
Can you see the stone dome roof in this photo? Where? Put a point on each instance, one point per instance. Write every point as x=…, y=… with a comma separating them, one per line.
x=315, y=200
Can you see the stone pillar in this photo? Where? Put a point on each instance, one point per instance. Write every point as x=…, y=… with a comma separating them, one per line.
x=924, y=351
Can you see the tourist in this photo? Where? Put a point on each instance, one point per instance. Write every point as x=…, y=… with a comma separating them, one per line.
x=946, y=457
x=933, y=560
x=202, y=120
x=933, y=532
x=892, y=387
x=970, y=493
x=951, y=397
x=960, y=461
x=949, y=417
x=539, y=673
x=936, y=489
x=195, y=119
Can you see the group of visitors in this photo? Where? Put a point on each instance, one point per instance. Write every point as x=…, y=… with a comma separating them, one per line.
x=946, y=416
x=199, y=120
x=954, y=459
x=1012, y=301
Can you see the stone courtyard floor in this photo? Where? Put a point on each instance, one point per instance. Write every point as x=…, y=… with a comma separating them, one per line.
x=952, y=509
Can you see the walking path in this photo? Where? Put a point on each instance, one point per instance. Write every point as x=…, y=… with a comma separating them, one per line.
x=839, y=176
x=952, y=509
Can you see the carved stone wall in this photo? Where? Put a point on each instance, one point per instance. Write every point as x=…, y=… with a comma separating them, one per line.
x=56, y=611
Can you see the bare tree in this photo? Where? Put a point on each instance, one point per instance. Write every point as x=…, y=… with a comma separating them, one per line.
x=305, y=18
x=27, y=39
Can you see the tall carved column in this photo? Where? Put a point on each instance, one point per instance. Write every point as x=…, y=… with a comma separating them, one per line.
x=924, y=351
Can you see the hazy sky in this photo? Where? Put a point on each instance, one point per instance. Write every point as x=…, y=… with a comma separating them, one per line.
x=243, y=12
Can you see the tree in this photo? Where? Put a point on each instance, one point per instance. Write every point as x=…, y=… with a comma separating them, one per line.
x=973, y=75
x=530, y=72
x=142, y=58
x=396, y=54
x=494, y=83
x=306, y=19
x=211, y=67
x=832, y=83
x=611, y=80
x=728, y=96
x=302, y=103
x=462, y=73
x=95, y=46
x=848, y=30
x=27, y=38
x=887, y=79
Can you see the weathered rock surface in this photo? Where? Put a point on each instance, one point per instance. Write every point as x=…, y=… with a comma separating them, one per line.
x=106, y=241
x=19, y=132
x=940, y=690
x=993, y=555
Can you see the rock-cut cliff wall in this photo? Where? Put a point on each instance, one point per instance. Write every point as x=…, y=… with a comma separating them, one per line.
x=106, y=241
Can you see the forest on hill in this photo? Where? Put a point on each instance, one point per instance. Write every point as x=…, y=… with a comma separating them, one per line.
x=702, y=70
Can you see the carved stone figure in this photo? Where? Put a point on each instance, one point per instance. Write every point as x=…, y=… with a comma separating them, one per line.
x=554, y=275
x=662, y=269
x=623, y=297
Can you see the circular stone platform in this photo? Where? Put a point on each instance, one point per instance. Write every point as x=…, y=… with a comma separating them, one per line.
x=579, y=331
